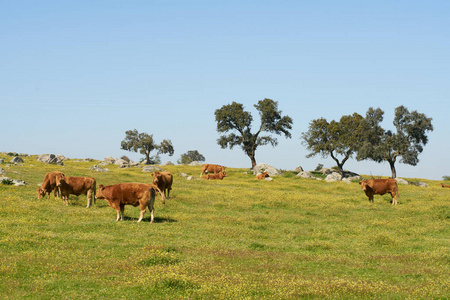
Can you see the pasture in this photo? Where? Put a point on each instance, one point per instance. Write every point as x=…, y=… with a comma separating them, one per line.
x=236, y=238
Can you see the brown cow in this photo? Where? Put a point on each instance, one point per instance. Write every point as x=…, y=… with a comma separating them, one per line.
x=76, y=186
x=220, y=176
x=49, y=185
x=445, y=185
x=131, y=193
x=261, y=176
x=163, y=180
x=209, y=168
x=380, y=187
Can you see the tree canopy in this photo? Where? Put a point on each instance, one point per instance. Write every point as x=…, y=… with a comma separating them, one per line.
x=190, y=156
x=384, y=145
x=232, y=118
x=143, y=142
x=339, y=140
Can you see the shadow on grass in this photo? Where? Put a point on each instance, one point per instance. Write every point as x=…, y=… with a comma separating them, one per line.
x=147, y=219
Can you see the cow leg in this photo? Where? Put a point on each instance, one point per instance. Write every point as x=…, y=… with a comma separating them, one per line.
x=142, y=214
x=89, y=198
x=151, y=207
x=394, y=198
x=142, y=206
x=122, y=212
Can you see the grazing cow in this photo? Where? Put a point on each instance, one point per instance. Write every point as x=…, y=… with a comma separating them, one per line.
x=49, y=185
x=76, y=186
x=209, y=168
x=445, y=185
x=121, y=194
x=261, y=176
x=163, y=180
x=380, y=187
x=220, y=176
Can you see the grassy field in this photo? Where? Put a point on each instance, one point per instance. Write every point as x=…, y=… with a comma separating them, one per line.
x=233, y=239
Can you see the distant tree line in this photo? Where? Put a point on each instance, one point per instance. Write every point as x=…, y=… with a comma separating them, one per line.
x=351, y=136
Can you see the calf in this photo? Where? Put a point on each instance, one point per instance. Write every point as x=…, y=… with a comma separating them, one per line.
x=121, y=194
x=210, y=168
x=76, y=186
x=445, y=185
x=220, y=176
x=380, y=187
x=262, y=175
x=49, y=185
x=163, y=180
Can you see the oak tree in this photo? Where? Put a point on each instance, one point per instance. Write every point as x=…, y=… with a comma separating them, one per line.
x=337, y=139
x=143, y=142
x=190, y=156
x=385, y=145
x=234, y=119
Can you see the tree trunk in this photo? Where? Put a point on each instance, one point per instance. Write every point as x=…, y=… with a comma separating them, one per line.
x=340, y=165
x=147, y=156
x=252, y=158
x=341, y=169
x=394, y=172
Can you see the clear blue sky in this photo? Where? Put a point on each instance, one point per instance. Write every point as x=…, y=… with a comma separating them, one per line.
x=75, y=75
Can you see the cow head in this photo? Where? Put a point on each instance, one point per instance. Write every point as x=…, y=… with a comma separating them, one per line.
x=156, y=177
x=41, y=193
x=363, y=184
x=59, y=179
x=99, y=193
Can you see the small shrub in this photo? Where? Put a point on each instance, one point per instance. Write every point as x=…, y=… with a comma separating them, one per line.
x=318, y=168
x=446, y=177
x=159, y=260
x=7, y=181
x=176, y=284
x=257, y=246
x=384, y=240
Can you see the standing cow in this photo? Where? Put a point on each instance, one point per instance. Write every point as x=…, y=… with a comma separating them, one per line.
x=49, y=185
x=380, y=187
x=76, y=186
x=210, y=168
x=121, y=194
x=163, y=180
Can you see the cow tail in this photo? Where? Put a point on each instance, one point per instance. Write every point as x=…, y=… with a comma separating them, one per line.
x=396, y=184
x=95, y=191
x=163, y=199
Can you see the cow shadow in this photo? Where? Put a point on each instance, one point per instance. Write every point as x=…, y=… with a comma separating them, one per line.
x=147, y=219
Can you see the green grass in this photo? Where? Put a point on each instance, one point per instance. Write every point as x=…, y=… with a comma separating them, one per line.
x=238, y=238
